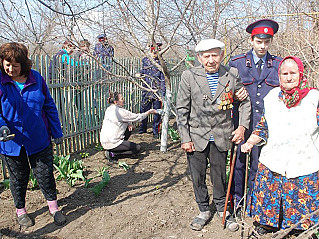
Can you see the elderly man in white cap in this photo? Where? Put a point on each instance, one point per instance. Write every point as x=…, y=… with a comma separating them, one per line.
x=204, y=104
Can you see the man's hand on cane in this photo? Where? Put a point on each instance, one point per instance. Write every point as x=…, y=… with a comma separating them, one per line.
x=238, y=135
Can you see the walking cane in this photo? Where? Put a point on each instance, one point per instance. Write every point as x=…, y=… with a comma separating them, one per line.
x=229, y=183
x=245, y=195
x=246, y=184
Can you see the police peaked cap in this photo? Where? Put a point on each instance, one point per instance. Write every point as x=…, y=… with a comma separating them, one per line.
x=264, y=28
x=208, y=44
x=159, y=44
x=101, y=36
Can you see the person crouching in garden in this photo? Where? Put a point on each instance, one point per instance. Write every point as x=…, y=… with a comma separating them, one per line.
x=286, y=186
x=29, y=112
x=117, y=128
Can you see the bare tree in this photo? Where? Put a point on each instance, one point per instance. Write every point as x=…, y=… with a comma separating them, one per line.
x=132, y=25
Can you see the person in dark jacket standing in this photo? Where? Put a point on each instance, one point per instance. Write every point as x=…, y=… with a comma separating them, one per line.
x=154, y=78
x=29, y=112
x=104, y=51
x=258, y=71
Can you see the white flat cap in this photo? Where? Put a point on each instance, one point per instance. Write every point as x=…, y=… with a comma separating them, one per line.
x=208, y=44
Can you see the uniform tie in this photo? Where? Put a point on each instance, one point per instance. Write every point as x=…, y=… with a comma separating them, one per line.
x=259, y=63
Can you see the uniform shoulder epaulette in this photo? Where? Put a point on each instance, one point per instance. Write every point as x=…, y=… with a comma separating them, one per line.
x=239, y=57
x=276, y=58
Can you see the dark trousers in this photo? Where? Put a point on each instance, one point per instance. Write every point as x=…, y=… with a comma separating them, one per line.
x=126, y=147
x=19, y=171
x=238, y=183
x=197, y=162
x=147, y=104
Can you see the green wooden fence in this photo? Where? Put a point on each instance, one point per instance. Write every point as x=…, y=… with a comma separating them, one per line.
x=81, y=88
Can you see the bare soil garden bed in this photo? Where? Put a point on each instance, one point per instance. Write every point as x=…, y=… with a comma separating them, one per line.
x=152, y=199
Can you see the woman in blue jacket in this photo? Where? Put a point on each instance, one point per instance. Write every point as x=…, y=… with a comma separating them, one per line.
x=29, y=112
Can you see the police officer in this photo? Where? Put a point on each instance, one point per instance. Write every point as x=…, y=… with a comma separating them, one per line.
x=258, y=70
x=155, y=79
x=103, y=50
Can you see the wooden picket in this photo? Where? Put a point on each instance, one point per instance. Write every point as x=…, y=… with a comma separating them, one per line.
x=81, y=88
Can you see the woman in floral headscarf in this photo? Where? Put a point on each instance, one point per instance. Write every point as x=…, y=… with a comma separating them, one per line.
x=287, y=183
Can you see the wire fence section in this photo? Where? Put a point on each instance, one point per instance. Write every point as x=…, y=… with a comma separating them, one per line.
x=80, y=88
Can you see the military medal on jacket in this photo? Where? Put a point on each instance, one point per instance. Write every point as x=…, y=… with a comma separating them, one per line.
x=226, y=100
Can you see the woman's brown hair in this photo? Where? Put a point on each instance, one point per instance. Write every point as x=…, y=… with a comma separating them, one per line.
x=113, y=97
x=15, y=52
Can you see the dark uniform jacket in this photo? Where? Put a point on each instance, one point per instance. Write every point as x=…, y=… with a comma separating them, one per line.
x=104, y=51
x=257, y=86
x=153, y=77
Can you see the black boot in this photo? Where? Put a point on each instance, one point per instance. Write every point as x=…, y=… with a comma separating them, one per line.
x=25, y=221
x=110, y=156
x=59, y=218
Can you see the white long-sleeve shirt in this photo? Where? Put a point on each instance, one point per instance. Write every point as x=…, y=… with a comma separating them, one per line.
x=116, y=120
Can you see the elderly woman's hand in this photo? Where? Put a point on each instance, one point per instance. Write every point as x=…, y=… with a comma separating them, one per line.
x=246, y=147
x=252, y=140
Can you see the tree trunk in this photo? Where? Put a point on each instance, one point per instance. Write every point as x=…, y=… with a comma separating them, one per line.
x=150, y=20
x=165, y=120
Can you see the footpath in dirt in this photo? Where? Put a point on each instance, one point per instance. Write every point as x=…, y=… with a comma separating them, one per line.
x=152, y=199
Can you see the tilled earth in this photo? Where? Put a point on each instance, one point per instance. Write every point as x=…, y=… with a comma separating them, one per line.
x=152, y=199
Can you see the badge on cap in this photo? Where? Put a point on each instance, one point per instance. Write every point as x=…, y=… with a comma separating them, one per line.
x=264, y=28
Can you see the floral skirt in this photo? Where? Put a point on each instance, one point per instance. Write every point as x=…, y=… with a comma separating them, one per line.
x=297, y=196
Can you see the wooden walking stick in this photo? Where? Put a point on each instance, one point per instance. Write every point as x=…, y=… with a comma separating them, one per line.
x=246, y=185
x=245, y=196
x=229, y=182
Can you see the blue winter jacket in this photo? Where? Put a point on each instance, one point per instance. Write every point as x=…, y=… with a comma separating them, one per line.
x=30, y=114
x=154, y=78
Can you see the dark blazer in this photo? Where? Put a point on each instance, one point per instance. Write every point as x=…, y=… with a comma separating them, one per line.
x=198, y=113
x=257, y=86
